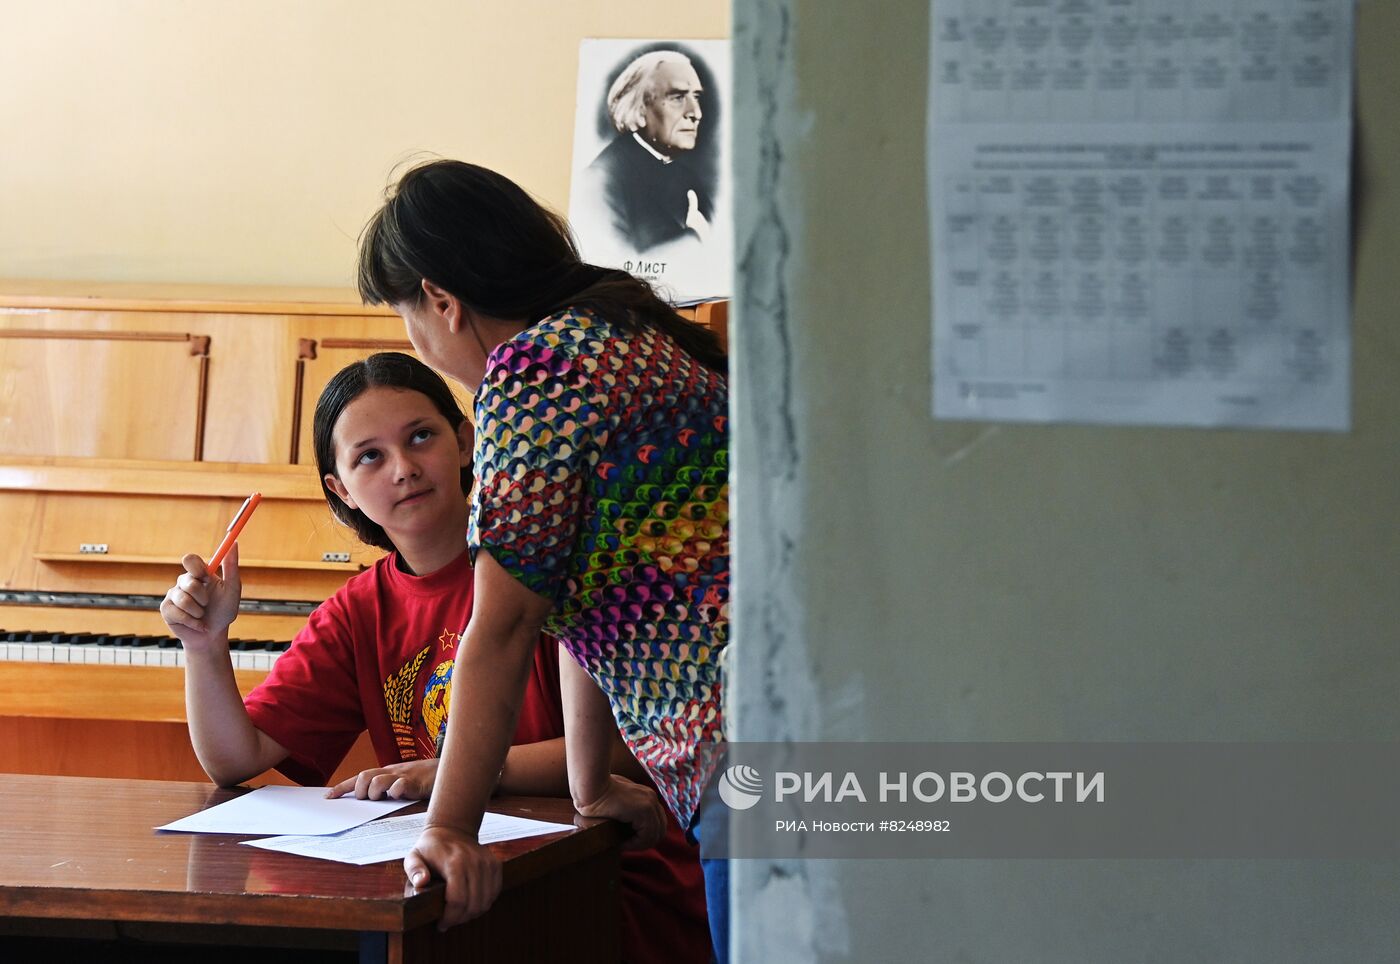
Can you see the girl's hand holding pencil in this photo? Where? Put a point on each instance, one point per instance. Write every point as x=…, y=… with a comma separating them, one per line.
x=203, y=603
x=200, y=607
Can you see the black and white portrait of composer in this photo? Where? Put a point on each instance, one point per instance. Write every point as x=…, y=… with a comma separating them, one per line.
x=657, y=182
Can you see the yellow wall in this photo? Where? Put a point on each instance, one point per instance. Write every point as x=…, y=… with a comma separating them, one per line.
x=246, y=142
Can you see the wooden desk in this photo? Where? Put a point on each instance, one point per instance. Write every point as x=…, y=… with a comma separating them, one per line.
x=80, y=865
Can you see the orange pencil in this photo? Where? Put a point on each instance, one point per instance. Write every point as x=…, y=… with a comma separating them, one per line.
x=234, y=528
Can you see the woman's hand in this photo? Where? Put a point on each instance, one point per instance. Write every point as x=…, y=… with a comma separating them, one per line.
x=472, y=872
x=200, y=606
x=411, y=780
x=632, y=804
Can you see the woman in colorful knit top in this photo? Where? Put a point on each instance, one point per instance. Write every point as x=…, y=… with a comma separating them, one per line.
x=602, y=510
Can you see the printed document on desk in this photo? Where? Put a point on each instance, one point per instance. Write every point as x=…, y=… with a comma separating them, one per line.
x=1141, y=212
x=282, y=810
x=393, y=837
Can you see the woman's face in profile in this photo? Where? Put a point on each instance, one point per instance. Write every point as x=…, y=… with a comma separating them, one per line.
x=453, y=353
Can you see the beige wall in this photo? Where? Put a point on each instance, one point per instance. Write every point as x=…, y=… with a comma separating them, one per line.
x=246, y=142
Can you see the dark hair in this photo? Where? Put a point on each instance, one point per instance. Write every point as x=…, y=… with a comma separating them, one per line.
x=387, y=369
x=479, y=236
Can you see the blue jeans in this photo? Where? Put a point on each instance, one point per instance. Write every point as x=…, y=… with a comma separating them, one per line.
x=716, y=897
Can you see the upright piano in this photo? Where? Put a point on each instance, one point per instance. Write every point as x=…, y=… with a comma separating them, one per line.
x=134, y=420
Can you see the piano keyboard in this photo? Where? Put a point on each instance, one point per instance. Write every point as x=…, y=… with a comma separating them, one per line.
x=125, y=650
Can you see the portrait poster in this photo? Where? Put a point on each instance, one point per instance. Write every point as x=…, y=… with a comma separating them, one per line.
x=650, y=188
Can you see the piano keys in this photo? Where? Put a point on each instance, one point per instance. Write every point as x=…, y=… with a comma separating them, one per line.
x=118, y=649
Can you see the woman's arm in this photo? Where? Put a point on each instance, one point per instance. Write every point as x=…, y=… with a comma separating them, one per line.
x=493, y=664
x=199, y=609
x=589, y=726
x=590, y=736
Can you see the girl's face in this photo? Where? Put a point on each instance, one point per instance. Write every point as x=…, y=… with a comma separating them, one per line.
x=399, y=462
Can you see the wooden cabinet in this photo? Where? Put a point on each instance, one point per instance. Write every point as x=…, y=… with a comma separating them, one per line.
x=53, y=379
x=182, y=373
x=175, y=373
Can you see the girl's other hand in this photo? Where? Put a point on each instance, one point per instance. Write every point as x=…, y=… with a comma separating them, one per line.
x=411, y=780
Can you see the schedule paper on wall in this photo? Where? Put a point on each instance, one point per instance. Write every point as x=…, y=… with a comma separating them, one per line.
x=1140, y=211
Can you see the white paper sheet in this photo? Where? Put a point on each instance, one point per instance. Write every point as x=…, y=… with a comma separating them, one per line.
x=393, y=837
x=1140, y=211
x=283, y=810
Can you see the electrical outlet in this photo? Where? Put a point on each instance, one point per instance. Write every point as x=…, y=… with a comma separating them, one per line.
x=329, y=556
x=93, y=548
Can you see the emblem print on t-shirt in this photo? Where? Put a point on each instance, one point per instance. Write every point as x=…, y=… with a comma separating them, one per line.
x=399, y=692
x=417, y=698
x=437, y=698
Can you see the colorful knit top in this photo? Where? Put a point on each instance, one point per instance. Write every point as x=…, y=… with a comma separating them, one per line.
x=602, y=456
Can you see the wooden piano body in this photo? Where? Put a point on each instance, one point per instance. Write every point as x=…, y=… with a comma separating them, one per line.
x=133, y=422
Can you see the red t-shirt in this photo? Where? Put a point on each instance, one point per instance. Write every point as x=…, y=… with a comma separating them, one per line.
x=378, y=656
